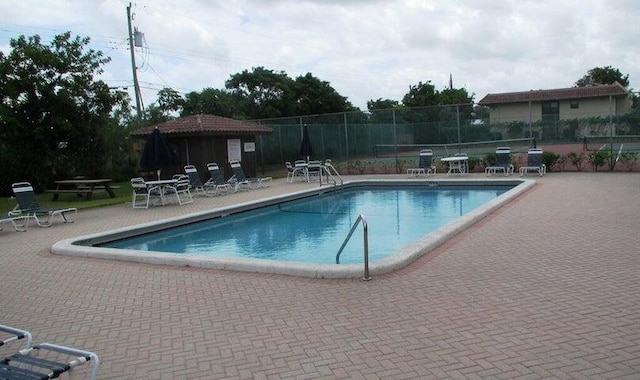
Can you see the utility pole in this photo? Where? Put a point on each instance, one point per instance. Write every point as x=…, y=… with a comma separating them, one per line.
x=136, y=86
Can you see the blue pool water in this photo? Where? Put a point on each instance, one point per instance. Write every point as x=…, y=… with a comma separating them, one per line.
x=311, y=230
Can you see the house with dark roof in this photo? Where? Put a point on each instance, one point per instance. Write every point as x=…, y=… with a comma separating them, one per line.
x=200, y=139
x=558, y=104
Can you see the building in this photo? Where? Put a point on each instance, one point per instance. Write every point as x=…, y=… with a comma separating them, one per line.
x=200, y=139
x=558, y=104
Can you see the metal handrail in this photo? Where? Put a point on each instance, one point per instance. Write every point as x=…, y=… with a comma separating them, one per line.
x=326, y=168
x=366, y=245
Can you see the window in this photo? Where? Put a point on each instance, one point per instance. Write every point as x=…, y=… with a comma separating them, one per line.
x=574, y=104
x=551, y=110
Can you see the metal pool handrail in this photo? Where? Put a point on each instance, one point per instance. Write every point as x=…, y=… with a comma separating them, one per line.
x=327, y=168
x=366, y=245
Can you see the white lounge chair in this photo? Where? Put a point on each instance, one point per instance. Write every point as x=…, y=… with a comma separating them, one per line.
x=242, y=181
x=217, y=181
x=44, y=360
x=19, y=223
x=28, y=207
x=534, y=163
x=503, y=162
x=425, y=165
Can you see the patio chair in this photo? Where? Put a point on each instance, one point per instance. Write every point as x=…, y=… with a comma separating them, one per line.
x=42, y=361
x=534, y=163
x=19, y=222
x=313, y=169
x=217, y=182
x=181, y=190
x=242, y=181
x=142, y=193
x=28, y=207
x=294, y=172
x=425, y=165
x=503, y=162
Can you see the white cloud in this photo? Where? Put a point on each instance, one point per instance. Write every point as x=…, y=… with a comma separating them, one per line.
x=365, y=49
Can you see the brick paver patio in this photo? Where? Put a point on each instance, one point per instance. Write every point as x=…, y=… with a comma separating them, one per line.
x=546, y=287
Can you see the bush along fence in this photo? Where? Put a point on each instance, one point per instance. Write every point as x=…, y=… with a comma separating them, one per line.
x=601, y=160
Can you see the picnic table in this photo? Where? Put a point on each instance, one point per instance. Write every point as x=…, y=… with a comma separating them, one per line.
x=82, y=187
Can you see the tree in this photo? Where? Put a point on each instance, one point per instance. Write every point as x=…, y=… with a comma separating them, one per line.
x=169, y=101
x=422, y=94
x=263, y=93
x=603, y=75
x=210, y=101
x=314, y=96
x=382, y=104
x=54, y=115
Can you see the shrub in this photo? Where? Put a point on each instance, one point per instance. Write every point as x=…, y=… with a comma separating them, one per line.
x=490, y=159
x=549, y=159
x=473, y=162
x=561, y=163
x=576, y=159
x=599, y=158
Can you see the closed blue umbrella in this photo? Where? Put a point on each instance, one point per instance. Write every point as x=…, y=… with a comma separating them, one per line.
x=157, y=153
x=306, y=149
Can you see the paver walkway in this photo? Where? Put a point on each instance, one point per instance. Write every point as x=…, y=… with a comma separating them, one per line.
x=546, y=287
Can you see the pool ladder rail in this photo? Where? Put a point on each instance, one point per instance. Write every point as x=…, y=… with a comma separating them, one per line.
x=365, y=232
x=329, y=172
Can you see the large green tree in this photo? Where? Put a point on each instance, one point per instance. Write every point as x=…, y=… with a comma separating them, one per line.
x=382, y=104
x=603, y=75
x=315, y=96
x=210, y=101
x=55, y=116
x=422, y=94
x=263, y=93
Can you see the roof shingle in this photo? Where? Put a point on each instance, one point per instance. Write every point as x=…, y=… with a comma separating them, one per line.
x=205, y=125
x=615, y=89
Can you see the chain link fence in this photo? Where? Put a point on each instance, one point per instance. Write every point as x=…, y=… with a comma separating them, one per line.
x=403, y=131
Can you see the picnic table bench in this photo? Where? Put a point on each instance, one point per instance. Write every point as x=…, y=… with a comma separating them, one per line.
x=82, y=187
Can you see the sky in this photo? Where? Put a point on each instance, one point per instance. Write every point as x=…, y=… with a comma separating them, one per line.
x=365, y=49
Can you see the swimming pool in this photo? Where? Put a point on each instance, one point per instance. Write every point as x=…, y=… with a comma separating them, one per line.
x=405, y=211
x=312, y=229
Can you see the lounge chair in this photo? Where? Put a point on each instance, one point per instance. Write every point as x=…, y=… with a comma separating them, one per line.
x=28, y=207
x=41, y=361
x=142, y=193
x=181, y=190
x=424, y=164
x=19, y=222
x=217, y=181
x=194, y=180
x=242, y=181
x=534, y=163
x=503, y=162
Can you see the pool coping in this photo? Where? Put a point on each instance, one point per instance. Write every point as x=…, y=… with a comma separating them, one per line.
x=81, y=246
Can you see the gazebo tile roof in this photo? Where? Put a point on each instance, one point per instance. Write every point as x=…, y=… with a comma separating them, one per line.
x=205, y=125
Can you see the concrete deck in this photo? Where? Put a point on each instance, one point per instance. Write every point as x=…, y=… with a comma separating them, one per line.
x=545, y=287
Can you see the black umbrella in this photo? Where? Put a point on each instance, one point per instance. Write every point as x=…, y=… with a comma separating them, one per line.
x=306, y=149
x=157, y=153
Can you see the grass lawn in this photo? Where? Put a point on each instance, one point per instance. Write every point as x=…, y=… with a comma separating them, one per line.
x=99, y=198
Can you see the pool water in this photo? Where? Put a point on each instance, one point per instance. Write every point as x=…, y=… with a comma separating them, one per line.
x=312, y=229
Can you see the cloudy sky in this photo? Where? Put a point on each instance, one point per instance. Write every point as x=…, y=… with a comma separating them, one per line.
x=366, y=49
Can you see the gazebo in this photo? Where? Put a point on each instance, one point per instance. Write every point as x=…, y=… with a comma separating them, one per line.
x=200, y=139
